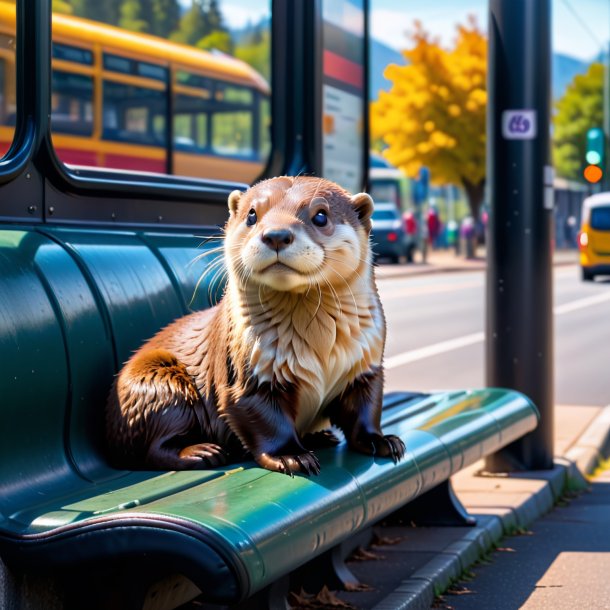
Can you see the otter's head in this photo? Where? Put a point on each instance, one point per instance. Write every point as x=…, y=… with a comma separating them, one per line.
x=291, y=233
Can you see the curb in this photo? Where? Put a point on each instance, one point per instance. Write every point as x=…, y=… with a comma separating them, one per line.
x=593, y=445
x=418, y=591
x=407, y=271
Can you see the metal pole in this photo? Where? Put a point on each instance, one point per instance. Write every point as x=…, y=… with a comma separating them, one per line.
x=519, y=338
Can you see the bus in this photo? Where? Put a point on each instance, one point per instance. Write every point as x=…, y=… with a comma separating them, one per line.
x=137, y=102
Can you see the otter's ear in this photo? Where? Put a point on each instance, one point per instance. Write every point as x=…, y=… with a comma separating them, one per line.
x=364, y=208
x=234, y=198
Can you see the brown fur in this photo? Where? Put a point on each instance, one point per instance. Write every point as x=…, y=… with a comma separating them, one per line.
x=295, y=344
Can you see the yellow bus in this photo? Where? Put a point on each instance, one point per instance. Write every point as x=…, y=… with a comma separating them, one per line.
x=134, y=101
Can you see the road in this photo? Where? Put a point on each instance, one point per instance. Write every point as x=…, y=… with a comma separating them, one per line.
x=436, y=341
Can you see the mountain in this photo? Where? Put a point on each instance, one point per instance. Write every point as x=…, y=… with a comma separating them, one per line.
x=564, y=67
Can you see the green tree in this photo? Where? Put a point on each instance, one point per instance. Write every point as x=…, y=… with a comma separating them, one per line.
x=580, y=108
x=255, y=50
x=435, y=113
x=192, y=26
x=163, y=16
x=108, y=11
x=219, y=40
x=62, y=6
x=215, y=20
x=131, y=17
x=203, y=26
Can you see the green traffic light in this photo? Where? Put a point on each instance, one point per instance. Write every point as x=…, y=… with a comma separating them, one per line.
x=595, y=146
x=593, y=157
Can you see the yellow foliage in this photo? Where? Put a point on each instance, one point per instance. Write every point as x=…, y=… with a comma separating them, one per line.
x=434, y=115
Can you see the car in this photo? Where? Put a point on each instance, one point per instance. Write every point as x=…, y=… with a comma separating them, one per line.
x=388, y=236
x=594, y=236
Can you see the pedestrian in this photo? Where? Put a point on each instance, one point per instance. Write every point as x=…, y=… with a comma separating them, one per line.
x=434, y=225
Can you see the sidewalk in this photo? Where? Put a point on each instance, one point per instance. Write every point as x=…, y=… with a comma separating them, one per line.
x=429, y=560
x=446, y=261
x=424, y=562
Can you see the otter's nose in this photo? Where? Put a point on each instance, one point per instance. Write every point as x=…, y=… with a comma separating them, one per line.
x=277, y=239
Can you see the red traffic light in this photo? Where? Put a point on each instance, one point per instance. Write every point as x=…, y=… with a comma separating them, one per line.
x=593, y=174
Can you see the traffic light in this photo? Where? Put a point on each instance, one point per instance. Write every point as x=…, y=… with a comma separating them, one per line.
x=594, y=156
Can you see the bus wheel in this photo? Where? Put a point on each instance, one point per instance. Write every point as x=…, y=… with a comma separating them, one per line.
x=587, y=276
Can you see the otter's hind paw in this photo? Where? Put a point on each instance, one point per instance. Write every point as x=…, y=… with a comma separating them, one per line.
x=307, y=463
x=204, y=455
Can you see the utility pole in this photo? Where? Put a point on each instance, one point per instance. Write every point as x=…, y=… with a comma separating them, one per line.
x=519, y=329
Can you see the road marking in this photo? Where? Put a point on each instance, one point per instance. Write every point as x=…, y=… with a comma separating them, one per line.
x=433, y=289
x=433, y=350
x=452, y=344
x=581, y=303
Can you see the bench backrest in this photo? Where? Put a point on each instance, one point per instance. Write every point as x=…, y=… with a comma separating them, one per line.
x=73, y=305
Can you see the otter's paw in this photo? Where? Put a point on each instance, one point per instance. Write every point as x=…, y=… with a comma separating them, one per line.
x=204, y=455
x=376, y=444
x=320, y=440
x=307, y=463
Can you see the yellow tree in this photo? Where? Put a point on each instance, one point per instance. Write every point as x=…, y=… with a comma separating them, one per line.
x=434, y=115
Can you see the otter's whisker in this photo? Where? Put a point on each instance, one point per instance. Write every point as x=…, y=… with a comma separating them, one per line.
x=315, y=313
x=215, y=266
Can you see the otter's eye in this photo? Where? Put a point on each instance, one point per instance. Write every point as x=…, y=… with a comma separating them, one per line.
x=320, y=219
x=251, y=218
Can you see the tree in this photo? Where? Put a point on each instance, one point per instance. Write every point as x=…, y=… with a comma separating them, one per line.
x=131, y=17
x=62, y=6
x=162, y=15
x=435, y=113
x=221, y=41
x=107, y=11
x=192, y=26
x=255, y=50
x=580, y=108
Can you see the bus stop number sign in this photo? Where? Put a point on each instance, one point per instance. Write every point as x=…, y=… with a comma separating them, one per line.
x=519, y=124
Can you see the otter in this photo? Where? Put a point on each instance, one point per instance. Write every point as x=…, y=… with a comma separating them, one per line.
x=294, y=346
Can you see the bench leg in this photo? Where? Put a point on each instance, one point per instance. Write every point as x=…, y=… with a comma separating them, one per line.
x=329, y=569
x=273, y=597
x=439, y=506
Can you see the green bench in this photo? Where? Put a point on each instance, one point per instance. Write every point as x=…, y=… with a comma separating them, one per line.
x=73, y=305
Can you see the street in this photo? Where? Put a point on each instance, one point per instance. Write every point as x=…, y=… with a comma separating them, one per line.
x=436, y=324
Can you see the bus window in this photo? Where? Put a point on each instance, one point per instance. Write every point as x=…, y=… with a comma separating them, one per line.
x=209, y=62
x=8, y=98
x=77, y=55
x=134, y=114
x=72, y=103
x=232, y=133
x=190, y=123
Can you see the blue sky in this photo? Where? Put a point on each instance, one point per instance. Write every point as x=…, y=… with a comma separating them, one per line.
x=580, y=27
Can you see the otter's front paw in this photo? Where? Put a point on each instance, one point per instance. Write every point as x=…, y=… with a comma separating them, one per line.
x=376, y=444
x=320, y=440
x=307, y=463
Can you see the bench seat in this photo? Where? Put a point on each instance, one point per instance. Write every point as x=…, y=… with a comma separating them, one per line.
x=73, y=305
x=234, y=530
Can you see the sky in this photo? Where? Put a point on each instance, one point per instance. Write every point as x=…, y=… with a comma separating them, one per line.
x=581, y=28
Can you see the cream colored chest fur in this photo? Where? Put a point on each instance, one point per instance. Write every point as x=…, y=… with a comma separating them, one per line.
x=320, y=341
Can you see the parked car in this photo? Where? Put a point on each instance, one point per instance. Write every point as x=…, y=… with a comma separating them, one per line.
x=388, y=236
x=594, y=236
x=389, y=189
